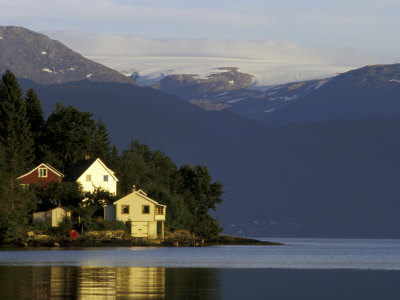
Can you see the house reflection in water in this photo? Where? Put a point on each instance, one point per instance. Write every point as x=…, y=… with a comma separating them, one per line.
x=54, y=282
x=140, y=283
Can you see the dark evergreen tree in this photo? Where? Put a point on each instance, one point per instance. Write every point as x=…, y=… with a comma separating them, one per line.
x=68, y=135
x=200, y=195
x=100, y=146
x=15, y=131
x=34, y=112
x=36, y=121
x=176, y=218
x=17, y=155
x=114, y=159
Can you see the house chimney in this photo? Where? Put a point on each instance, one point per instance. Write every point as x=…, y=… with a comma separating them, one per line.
x=87, y=157
x=133, y=188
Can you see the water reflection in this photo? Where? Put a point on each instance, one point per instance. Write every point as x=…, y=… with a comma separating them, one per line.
x=53, y=282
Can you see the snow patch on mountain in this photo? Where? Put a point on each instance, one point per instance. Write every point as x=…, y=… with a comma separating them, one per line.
x=236, y=100
x=151, y=69
x=321, y=83
x=47, y=70
x=43, y=52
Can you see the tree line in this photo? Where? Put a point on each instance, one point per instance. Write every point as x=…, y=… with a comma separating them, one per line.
x=27, y=139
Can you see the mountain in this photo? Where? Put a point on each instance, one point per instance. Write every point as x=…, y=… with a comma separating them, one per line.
x=193, y=87
x=329, y=179
x=371, y=91
x=34, y=56
x=326, y=178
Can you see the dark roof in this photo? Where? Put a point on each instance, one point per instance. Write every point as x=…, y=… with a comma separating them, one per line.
x=77, y=169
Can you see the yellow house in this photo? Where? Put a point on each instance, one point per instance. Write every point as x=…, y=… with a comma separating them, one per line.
x=145, y=215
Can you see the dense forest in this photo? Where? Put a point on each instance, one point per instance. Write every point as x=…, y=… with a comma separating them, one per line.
x=27, y=139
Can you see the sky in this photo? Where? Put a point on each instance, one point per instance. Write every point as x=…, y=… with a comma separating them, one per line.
x=307, y=32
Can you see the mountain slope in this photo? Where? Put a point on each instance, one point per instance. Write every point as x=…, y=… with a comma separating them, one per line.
x=372, y=91
x=192, y=87
x=335, y=178
x=327, y=178
x=36, y=57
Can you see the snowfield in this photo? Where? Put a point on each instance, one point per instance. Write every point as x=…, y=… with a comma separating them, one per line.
x=150, y=69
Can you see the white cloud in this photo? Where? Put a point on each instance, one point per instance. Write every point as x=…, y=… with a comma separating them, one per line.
x=91, y=44
x=270, y=61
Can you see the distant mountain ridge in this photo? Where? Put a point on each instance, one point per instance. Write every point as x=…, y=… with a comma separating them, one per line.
x=188, y=86
x=371, y=91
x=36, y=57
x=317, y=177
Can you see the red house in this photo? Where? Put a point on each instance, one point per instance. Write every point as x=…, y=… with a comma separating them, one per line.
x=42, y=175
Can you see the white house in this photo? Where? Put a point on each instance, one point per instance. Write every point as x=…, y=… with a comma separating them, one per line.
x=145, y=215
x=51, y=217
x=92, y=174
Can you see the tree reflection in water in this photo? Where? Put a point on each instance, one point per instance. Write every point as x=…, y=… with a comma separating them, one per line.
x=52, y=282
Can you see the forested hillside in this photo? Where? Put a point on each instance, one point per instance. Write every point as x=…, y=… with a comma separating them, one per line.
x=65, y=137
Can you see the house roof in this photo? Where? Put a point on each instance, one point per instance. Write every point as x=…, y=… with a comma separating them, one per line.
x=82, y=165
x=43, y=165
x=64, y=208
x=78, y=169
x=143, y=195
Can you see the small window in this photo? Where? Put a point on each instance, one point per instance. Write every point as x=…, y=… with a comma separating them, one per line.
x=105, y=177
x=42, y=172
x=124, y=209
x=160, y=210
x=88, y=177
x=146, y=209
x=25, y=186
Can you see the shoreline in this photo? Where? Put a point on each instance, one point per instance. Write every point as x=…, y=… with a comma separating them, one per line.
x=90, y=241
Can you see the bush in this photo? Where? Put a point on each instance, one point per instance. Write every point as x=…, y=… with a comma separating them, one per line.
x=64, y=227
x=41, y=228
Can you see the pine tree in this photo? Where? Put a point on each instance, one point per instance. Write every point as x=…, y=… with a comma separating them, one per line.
x=36, y=121
x=15, y=133
x=16, y=145
x=100, y=146
x=68, y=135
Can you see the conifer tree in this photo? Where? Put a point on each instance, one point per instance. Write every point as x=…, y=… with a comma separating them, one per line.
x=68, y=135
x=16, y=154
x=36, y=121
x=100, y=146
x=15, y=133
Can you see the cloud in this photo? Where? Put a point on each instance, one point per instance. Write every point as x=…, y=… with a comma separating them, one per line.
x=91, y=44
x=310, y=29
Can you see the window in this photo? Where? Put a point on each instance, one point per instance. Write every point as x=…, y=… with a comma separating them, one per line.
x=42, y=172
x=146, y=209
x=88, y=177
x=124, y=209
x=160, y=210
x=25, y=186
x=105, y=177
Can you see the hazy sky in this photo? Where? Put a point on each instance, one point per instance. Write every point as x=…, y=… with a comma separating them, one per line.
x=365, y=30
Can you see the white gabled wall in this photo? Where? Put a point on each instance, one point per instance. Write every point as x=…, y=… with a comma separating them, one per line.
x=97, y=171
x=143, y=225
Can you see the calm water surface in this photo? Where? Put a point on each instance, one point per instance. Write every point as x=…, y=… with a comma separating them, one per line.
x=303, y=269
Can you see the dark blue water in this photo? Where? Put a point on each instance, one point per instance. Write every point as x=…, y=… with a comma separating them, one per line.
x=304, y=269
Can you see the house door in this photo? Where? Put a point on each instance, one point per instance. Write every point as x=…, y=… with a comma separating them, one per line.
x=139, y=229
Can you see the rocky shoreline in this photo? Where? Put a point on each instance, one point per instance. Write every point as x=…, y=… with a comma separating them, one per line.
x=122, y=240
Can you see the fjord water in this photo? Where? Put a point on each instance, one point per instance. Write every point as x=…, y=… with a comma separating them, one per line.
x=302, y=269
